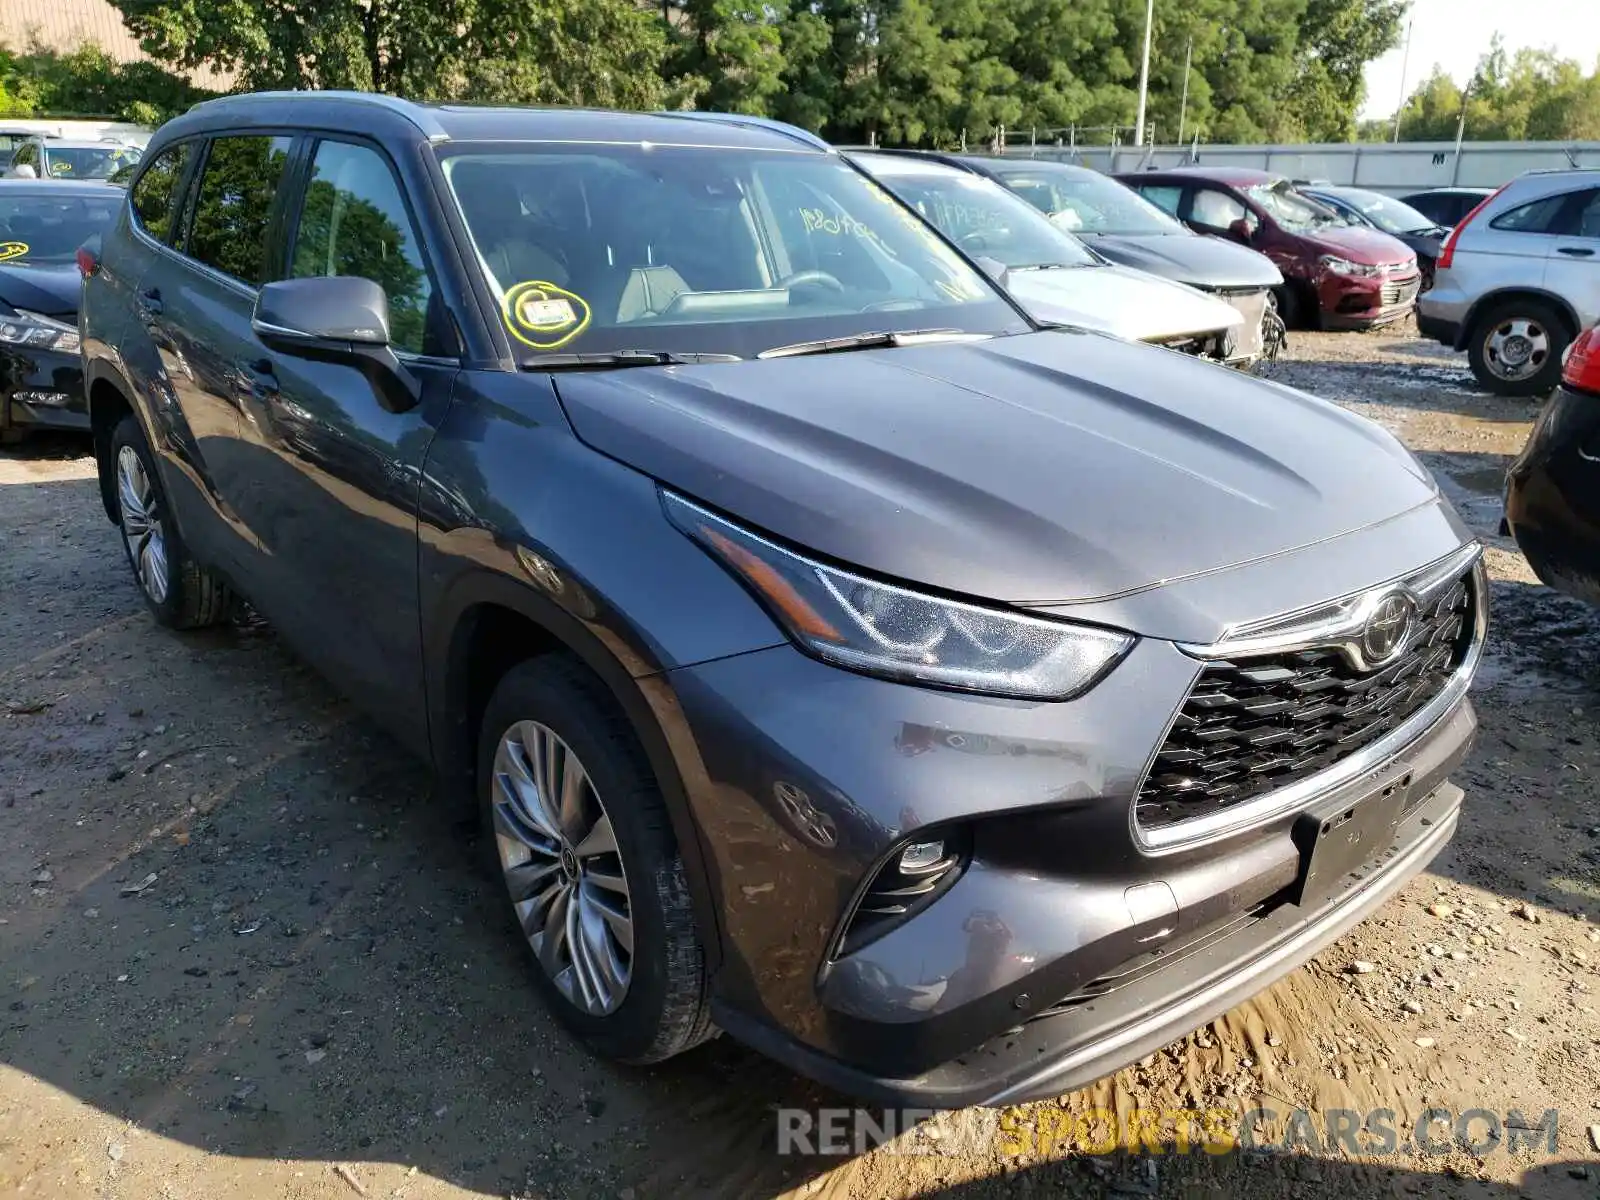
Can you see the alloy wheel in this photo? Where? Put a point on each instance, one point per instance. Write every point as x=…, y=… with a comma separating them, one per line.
x=562, y=868
x=142, y=527
x=1516, y=348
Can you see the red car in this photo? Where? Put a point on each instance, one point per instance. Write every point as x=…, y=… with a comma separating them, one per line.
x=1336, y=276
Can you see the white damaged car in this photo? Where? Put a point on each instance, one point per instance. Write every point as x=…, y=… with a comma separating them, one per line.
x=1052, y=274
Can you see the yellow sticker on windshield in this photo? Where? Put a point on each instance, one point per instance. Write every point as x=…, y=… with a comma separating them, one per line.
x=10, y=250
x=60, y=167
x=544, y=315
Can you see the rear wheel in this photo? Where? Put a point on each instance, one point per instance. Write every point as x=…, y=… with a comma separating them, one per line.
x=580, y=836
x=180, y=592
x=1516, y=347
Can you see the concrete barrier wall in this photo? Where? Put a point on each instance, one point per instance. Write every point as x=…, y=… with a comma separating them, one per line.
x=1383, y=167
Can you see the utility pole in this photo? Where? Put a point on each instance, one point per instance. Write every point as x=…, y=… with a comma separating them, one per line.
x=1183, y=105
x=1405, y=66
x=1144, y=71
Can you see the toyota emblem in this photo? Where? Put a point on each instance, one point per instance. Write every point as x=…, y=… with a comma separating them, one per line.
x=1388, y=629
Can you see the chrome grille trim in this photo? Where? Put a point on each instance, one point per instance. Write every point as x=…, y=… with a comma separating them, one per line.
x=1318, y=628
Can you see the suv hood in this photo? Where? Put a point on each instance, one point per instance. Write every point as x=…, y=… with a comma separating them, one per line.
x=1370, y=246
x=50, y=290
x=1207, y=262
x=1115, y=300
x=1034, y=469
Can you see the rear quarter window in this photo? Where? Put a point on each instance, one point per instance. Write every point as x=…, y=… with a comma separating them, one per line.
x=1538, y=216
x=154, y=196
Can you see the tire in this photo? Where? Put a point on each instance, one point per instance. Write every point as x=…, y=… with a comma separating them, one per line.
x=1496, y=354
x=1295, y=310
x=661, y=1007
x=179, y=592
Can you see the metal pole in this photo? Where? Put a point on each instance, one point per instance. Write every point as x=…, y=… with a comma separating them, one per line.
x=1144, y=71
x=1183, y=105
x=1461, y=129
x=1405, y=66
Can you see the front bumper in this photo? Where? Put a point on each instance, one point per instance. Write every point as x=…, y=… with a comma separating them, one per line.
x=1349, y=302
x=805, y=778
x=41, y=389
x=1550, y=491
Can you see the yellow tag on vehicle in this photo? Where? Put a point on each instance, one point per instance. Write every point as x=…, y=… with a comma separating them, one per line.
x=9, y=250
x=544, y=315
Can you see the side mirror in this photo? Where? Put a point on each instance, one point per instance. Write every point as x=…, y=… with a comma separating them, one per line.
x=1242, y=230
x=336, y=318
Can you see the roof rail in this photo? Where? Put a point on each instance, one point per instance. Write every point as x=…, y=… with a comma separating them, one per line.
x=750, y=122
x=417, y=114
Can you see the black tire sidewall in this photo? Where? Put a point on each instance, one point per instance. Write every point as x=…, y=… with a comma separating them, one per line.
x=554, y=692
x=170, y=611
x=1548, y=376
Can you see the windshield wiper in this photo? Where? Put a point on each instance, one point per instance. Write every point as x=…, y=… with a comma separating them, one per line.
x=601, y=360
x=1054, y=266
x=868, y=341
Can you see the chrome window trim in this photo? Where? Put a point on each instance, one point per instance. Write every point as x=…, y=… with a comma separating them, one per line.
x=1304, y=630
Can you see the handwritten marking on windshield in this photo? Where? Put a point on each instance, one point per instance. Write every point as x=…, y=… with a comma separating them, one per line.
x=544, y=315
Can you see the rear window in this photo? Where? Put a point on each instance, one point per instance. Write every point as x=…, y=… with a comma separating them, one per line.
x=49, y=228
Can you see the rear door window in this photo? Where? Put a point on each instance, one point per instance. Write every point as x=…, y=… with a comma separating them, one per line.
x=228, y=228
x=1163, y=197
x=155, y=195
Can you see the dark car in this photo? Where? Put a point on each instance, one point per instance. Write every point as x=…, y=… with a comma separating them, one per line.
x=1335, y=276
x=42, y=224
x=1446, y=206
x=1388, y=215
x=952, y=709
x=1125, y=228
x=1553, y=487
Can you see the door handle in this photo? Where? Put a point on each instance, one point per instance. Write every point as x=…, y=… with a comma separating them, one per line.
x=263, y=382
x=150, y=300
x=1576, y=251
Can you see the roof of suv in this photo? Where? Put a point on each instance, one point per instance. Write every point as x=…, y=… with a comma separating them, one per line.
x=449, y=122
x=1236, y=176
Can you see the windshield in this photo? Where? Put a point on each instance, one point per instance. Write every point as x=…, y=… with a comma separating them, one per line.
x=87, y=162
x=1089, y=203
x=703, y=250
x=50, y=228
x=987, y=221
x=1388, y=214
x=1290, y=210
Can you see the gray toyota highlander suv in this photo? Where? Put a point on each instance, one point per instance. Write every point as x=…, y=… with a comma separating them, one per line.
x=952, y=709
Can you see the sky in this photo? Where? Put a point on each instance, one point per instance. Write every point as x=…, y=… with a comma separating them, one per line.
x=1454, y=33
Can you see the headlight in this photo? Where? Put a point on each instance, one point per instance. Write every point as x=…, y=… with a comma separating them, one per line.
x=880, y=629
x=1343, y=266
x=37, y=332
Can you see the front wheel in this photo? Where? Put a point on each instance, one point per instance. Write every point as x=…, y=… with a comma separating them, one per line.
x=180, y=592
x=1516, y=348
x=581, y=838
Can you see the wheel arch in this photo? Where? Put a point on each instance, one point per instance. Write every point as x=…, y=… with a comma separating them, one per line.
x=484, y=625
x=109, y=399
x=1489, y=300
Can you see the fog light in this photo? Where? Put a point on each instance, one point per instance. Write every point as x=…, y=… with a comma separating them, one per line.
x=921, y=856
x=46, y=399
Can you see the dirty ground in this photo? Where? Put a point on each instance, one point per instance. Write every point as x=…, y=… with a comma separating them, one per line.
x=243, y=955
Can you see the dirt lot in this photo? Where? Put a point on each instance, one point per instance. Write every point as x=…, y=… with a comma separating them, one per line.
x=313, y=991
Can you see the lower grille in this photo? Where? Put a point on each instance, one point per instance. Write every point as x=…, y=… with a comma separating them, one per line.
x=1255, y=724
x=1398, y=291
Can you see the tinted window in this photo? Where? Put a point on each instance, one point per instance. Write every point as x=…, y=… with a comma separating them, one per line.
x=1164, y=198
x=229, y=228
x=154, y=196
x=354, y=222
x=1585, y=215
x=1536, y=217
x=49, y=228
